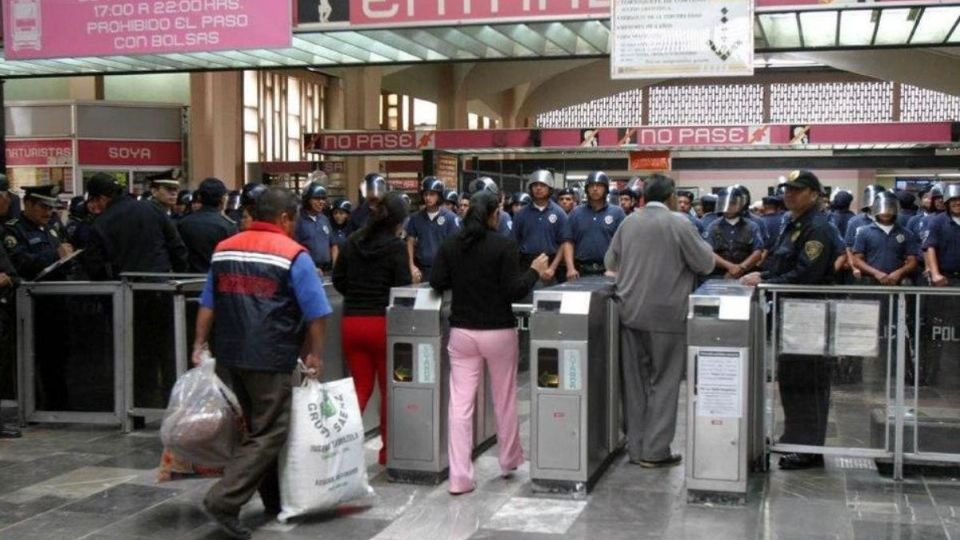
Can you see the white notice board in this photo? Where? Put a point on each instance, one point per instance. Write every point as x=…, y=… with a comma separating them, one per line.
x=803, y=327
x=856, y=328
x=719, y=382
x=685, y=38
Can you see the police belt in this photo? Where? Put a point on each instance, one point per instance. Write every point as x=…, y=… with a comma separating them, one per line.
x=590, y=267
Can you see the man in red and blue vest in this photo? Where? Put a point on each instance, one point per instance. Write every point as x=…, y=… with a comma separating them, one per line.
x=270, y=309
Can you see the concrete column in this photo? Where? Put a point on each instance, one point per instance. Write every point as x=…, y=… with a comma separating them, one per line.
x=452, y=98
x=87, y=88
x=333, y=104
x=216, y=127
x=361, y=110
x=508, y=108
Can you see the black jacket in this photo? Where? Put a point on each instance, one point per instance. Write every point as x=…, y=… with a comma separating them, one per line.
x=804, y=252
x=486, y=280
x=366, y=271
x=201, y=232
x=133, y=236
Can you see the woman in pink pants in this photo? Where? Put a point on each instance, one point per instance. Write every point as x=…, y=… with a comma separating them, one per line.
x=482, y=268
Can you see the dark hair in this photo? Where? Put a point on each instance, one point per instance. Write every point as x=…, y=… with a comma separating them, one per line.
x=483, y=204
x=210, y=192
x=384, y=217
x=658, y=188
x=274, y=202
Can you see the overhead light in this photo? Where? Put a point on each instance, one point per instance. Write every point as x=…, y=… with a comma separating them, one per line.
x=935, y=24
x=819, y=28
x=856, y=27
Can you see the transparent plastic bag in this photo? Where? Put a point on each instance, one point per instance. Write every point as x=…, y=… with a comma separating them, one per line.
x=201, y=423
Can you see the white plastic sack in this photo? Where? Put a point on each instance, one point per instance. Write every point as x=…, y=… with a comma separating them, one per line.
x=323, y=464
x=201, y=423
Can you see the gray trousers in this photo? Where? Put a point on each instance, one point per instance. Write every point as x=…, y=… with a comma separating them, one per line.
x=652, y=365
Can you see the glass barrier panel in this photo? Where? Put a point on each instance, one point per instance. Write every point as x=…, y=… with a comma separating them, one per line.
x=154, y=349
x=933, y=416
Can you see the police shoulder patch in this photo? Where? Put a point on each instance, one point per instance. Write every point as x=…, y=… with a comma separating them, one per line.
x=10, y=241
x=813, y=249
x=552, y=218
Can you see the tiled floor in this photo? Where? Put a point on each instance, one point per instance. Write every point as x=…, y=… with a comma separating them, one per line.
x=67, y=482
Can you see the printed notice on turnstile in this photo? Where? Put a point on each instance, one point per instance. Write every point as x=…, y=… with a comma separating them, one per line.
x=426, y=367
x=856, y=328
x=803, y=327
x=572, y=376
x=719, y=388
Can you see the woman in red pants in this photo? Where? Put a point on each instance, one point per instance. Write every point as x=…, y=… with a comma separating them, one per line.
x=373, y=261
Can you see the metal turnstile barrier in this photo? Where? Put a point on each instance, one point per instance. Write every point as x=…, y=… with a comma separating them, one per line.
x=575, y=385
x=724, y=392
x=418, y=378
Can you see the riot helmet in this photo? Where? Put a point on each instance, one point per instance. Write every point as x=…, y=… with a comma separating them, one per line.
x=314, y=190
x=732, y=199
x=597, y=177
x=344, y=205
x=885, y=202
x=484, y=183
x=869, y=194
x=951, y=191
x=432, y=183
x=540, y=176
x=250, y=193
x=374, y=186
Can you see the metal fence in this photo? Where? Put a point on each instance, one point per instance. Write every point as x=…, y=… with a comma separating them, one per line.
x=869, y=372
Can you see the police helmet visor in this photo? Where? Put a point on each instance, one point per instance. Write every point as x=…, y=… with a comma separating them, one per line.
x=373, y=187
x=730, y=201
x=951, y=191
x=870, y=195
x=885, y=203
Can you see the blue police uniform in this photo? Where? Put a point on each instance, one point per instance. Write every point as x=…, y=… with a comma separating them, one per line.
x=733, y=242
x=429, y=233
x=772, y=223
x=904, y=217
x=884, y=251
x=706, y=220
x=506, y=224
x=840, y=218
x=313, y=233
x=32, y=248
x=919, y=224
x=540, y=231
x=943, y=236
x=857, y=221
x=696, y=223
x=339, y=234
x=591, y=232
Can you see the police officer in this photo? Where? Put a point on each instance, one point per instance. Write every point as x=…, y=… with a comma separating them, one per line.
x=857, y=221
x=627, y=198
x=592, y=226
x=521, y=200
x=709, y=204
x=30, y=241
x=8, y=329
x=542, y=227
x=567, y=199
x=736, y=241
x=184, y=204
x=450, y=200
x=243, y=216
x=803, y=255
x=313, y=229
x=203, y=229
x=163, y=194
x=463, y=206
x=372, y=189
x=129, y=235
x=772, y=219
x=908, y=206
x=840, y=213
x=932, y=202
x=78, y=223
x=13, y=208
x=884, y=251
x=942, y=245
x=485, y=183
x=427, y=229
x=340, y=227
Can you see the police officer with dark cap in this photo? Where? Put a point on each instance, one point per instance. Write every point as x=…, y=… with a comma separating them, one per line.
x=313, y=229
x=629, y=197
x=803, y=255
x=543, y=227
x=485, y=183
x=13, y=209
x=129, y=235
x=372, y=190
x=427, y=229
x=79, y=223
x=736, y=241
x=840, y=213
x=184, y=204
x=942, y=245
x=886, y=252
x=567, y=199
x=592, y=227
x=203, y=229
x=30, y=241
x=339, y=227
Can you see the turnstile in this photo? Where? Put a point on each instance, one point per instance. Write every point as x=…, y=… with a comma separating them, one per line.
x=418, y=378
x=724, y=397
x=575, y=384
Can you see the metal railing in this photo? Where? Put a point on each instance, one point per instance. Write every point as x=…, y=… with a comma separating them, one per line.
x=899, y=344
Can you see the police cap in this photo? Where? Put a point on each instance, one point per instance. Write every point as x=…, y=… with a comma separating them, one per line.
x=803, y=179
x=45, y=195
x=102, y=184
x=165, y=182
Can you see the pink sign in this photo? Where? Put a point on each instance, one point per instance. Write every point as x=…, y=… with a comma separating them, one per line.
x=70, y=28
x=427, y=12
x=39, y=153
x=130, y=153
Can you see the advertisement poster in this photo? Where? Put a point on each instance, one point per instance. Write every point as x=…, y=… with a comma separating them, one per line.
x=690, y=38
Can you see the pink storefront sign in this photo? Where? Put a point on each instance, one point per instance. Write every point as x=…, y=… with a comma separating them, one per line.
x=71, y=28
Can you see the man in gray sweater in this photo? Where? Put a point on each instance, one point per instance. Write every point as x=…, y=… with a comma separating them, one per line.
x=656, y=254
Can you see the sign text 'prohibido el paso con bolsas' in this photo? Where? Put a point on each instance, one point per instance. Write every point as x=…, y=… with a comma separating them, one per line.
x=71, y=28
x=681, y=38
